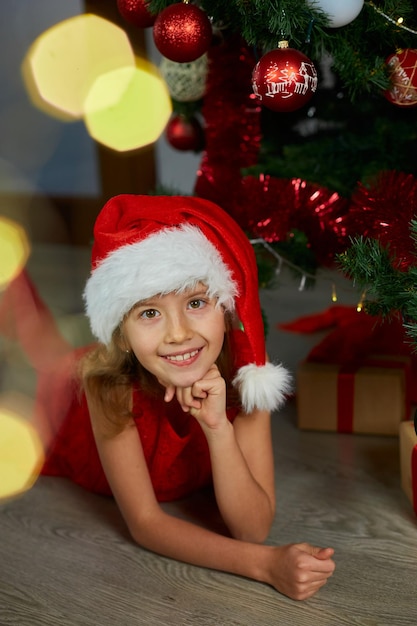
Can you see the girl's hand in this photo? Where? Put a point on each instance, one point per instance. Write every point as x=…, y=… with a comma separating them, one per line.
x=300, y=570
x=205, y=399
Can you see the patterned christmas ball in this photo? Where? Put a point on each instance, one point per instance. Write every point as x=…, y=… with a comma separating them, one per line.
x=284, y=79
x=185, y=133
x=182, y=32
x=136, y=12
x=186, y=81
x=402, y=68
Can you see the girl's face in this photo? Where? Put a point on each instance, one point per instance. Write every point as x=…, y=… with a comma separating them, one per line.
x=177, y=337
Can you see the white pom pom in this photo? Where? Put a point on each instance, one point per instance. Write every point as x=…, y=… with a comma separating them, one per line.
x=262, y=387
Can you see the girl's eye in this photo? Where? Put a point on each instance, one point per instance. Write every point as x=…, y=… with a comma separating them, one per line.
x=197, y=304
x=149, y=314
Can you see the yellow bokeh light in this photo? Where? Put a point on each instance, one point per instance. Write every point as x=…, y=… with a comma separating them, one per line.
x=128, y=108
x=65, y=60
x=21, y=454
x=14, y=250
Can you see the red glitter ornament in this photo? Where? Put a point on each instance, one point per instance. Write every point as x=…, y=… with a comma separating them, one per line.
x=136, y=12
x=402, y=67
x=185, y=133
x=284, y=79
x=182, y=32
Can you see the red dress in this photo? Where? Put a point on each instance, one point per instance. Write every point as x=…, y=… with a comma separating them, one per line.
x=173, y=442
x=174, y=445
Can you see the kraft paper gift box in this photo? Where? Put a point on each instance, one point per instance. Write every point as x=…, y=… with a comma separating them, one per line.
x=408, y=456
x=366, y=398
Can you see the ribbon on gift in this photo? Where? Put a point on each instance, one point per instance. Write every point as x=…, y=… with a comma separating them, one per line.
x=346, y=388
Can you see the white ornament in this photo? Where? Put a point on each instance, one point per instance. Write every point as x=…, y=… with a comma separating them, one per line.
x=186, y=81
x=339, y=12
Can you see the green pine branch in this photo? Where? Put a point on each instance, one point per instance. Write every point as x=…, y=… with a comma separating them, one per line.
x=388, y=290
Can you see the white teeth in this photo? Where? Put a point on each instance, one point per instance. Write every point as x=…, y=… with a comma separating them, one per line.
x=182, y=357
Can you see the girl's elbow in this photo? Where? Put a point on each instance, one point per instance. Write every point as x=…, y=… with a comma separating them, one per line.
x=144, y=531
x=137, y=536
x=256, y=534
x=145, y=538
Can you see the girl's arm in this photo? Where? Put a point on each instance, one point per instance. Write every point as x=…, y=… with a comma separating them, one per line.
x=296, y=570
x=243, y=475
x=241, y=458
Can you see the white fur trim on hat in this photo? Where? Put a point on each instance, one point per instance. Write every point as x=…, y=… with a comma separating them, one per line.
x=262, y=386
x=172, y=259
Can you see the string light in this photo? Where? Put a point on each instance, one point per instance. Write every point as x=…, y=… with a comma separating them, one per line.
x=359, y=306
x=398, y=22
x=281, y=260
x=303, y=274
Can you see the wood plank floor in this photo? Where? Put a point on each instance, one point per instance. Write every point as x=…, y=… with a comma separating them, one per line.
x=67, y=560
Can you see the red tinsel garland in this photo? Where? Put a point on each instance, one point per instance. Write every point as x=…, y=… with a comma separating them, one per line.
x=283, y=205
x=383, y=211
x=232, y=120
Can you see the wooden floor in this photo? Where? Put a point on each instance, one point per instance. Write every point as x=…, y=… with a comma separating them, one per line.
x=67, y=560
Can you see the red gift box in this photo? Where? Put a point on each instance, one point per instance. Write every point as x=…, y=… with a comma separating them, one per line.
x=359, y=377
x=367, y=398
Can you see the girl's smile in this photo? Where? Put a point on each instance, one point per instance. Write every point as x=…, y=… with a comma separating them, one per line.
x=178, y=336
x=182, y=359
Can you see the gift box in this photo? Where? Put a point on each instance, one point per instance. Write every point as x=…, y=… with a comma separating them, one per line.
x=370, y=397
x=408, y=457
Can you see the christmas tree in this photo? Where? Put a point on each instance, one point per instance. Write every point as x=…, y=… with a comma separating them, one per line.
x=312, y=164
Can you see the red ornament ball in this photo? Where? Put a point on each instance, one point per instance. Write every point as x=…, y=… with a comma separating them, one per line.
x=402, y=67
x=185, y=133
x=136, y=12
x=284, y=79
x=182, y=32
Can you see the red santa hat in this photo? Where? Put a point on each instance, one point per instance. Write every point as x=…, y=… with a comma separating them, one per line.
x=150, y=245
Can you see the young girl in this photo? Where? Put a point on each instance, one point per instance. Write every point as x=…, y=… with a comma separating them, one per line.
x=177, y=393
